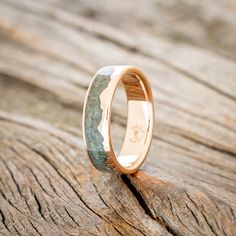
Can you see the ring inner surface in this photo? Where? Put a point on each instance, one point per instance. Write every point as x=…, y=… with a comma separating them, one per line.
x=133, y=150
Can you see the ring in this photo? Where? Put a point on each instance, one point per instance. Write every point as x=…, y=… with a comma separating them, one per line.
x=97, y=119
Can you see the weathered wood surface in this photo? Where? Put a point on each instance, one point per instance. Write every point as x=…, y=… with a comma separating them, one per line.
x=49, y=51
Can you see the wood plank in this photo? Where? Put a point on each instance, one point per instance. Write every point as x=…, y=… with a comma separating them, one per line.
x=187, y=186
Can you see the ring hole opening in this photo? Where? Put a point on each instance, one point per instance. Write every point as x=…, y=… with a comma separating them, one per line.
x=135, y=127
x=118, y=118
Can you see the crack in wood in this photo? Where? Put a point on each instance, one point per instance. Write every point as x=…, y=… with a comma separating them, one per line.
x=143, y=204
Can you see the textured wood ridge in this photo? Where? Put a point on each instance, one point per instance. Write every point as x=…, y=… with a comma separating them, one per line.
x=49, y=51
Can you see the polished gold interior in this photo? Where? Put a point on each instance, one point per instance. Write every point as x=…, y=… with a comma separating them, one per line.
x=138, y=122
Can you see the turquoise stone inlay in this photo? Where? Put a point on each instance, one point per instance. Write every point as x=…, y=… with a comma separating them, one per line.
x=93, y=117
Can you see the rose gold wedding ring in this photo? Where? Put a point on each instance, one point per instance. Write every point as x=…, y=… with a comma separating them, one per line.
x=97, y=119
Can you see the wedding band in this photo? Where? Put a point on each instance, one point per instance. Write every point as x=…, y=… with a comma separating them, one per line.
x=97, y=119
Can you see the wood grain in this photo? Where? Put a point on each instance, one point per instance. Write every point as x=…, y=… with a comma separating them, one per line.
x=48, y=53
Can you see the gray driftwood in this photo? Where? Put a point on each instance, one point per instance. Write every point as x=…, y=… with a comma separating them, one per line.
x=49, y=51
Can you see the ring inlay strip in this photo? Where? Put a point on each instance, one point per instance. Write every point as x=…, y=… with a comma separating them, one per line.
x=92, y=119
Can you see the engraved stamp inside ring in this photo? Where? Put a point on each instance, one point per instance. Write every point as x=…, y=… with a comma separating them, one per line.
x=138, y=133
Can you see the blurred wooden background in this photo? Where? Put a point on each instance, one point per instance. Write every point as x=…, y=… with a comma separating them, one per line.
x=49, y=51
